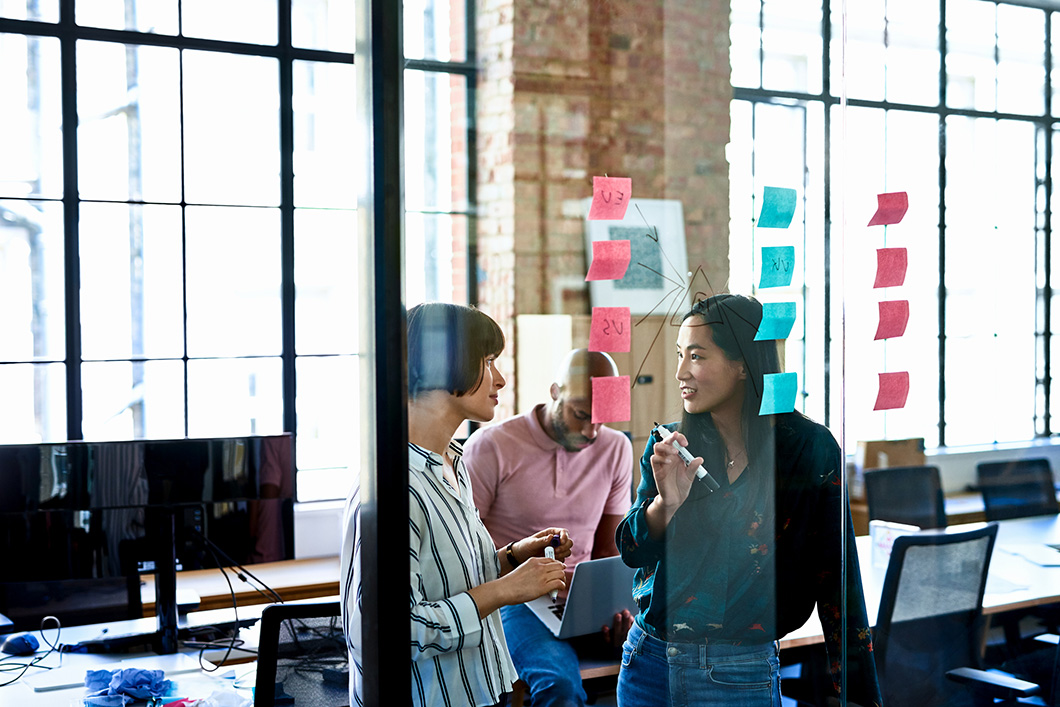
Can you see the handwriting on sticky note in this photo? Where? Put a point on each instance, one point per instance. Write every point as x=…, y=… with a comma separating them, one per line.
x=611, y=197
x=778, y=265
x=894, y=389
x=610, y=260
x=894, y=316
x=778, y=207
x=777, y=320
x=891, y=264
x=611, y=399
x=890, y=208
x=610, y=330
x=778, y=393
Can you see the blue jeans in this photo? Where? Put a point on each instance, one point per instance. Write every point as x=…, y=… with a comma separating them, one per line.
x=657, y=673
x=546, y=664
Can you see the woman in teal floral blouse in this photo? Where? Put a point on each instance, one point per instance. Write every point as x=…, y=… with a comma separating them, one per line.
x=723, y=575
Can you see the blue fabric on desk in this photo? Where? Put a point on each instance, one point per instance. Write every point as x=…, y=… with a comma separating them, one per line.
x=125, y=685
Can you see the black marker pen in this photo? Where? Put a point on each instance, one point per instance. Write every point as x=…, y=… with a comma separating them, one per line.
x=701, y=473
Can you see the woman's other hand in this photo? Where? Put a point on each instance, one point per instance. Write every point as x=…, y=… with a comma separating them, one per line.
x=534, y=545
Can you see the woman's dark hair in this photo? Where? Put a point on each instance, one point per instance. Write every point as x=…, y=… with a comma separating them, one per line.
x=733, y=321
x=447, y=344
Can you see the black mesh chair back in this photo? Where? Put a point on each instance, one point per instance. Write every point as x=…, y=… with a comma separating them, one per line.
x=1017, y=488
x=302, y=655
x=906, y=494
x=930, y=618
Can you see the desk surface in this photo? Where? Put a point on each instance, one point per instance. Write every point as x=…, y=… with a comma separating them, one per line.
x=1013, y=582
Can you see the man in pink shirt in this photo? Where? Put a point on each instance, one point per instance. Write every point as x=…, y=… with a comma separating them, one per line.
x=552, y=465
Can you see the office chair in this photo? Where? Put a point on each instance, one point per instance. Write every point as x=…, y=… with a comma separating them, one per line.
x=930, y=618
x=999, y=688
x=302, y=656
x=1017, y=488
x=906, y=494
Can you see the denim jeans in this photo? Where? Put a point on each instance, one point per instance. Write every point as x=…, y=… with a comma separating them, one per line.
x=546, y=664
x=657, y=673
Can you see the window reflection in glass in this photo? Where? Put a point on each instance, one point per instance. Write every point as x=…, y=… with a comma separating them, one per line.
x=434, y=29
x=129, y=123
x=324, y=24
x=435, y=260
x=233, y=275
x=435, y=142
x=1021, y=60
x=31, y=119
x=133, y=400
x=326, y=149
x=231, y=130
x=328, y=418
x=154, y=16
x=253, y=21
x=34, y=408
x=326, y=281
x=42, y=10
x=233, y=397
x=132, y=281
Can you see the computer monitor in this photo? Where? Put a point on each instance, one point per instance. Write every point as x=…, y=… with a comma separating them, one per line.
x=96, y=514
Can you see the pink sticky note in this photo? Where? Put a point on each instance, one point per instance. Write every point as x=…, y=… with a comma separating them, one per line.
x=894, y=389
x=890, y=208
x=891, y=264
x=611, y=399
x=611, y=196
x=610, y=260
x=610, y=329
x=894, y=316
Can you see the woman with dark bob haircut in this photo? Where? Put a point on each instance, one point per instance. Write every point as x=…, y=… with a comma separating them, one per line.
x=458, y=580
x=723, y=575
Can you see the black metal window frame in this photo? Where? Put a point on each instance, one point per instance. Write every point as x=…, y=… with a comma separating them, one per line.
x=1044, y=123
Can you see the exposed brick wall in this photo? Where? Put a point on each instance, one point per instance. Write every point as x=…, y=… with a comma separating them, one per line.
x=571, y=89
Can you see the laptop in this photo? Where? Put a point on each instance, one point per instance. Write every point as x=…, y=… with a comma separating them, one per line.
x=598, y=590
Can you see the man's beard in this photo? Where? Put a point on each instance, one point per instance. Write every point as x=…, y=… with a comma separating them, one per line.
x=570, y=441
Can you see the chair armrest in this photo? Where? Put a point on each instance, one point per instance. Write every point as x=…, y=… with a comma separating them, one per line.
x=994, y=683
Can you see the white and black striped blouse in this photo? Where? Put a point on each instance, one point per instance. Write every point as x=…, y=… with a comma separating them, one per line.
x=457, y=659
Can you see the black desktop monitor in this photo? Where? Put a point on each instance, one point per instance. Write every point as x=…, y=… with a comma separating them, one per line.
x=79, y=521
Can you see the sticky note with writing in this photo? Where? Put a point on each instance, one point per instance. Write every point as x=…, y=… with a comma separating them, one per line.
x=894, y=389
x=890, y=208
x=777, y=320
x=894, y=315
x=611, y=196
x=891, y=264
x=610, y=260
x=778, y=393
x=611, y=399
x=610, y=330
x=778, y=265
x=778, y=207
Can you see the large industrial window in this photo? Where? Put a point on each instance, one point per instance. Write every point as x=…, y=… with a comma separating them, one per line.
x=184, y=262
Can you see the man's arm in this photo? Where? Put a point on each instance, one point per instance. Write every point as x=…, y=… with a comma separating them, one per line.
x=604, y=538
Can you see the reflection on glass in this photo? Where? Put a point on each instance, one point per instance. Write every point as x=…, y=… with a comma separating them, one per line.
x=435, y=126
x=154, y=16
x=326, y=282
x=912, y=40
x=328, y=419
x=971, y=70
x=131, y=281
x=32, y=293
x=324, y=24
x=434, y=29
x=791, y=44
x=31, y=119
x=231, y=105
x=133, y=400
x=326, y=149
x=235, y=397
x=233, y=261
x=34, y=408
x=435, y=258
x=129, y=122
x=42, y=10
x=252, y=21
x=1021, y=51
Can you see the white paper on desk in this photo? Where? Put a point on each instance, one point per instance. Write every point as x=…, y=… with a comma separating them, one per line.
x=73, y=673
x=1038, y=553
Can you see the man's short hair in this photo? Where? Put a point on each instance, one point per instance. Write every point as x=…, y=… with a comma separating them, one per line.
x=447, y=344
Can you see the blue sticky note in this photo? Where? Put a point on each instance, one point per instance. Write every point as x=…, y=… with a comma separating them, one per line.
x=778, y=265
x=778, y=393
x=777, y=320
x=778, y=207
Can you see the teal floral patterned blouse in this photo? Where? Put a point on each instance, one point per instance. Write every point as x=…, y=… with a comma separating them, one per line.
x=743, y=569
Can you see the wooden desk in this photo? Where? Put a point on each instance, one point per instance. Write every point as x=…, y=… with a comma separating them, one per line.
x=293, y=580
